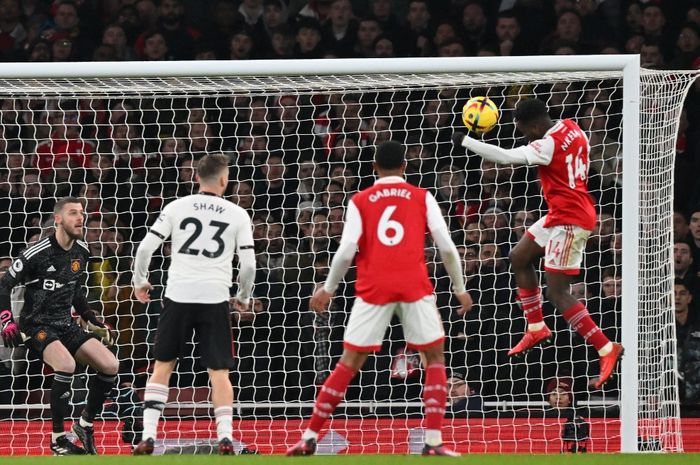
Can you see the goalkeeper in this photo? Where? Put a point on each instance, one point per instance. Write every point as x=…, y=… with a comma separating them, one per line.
x=53, y=270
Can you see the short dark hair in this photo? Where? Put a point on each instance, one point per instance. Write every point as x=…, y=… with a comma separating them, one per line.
x=680, y=282
x=210, y=166
x=527, y=111
x=390, y=155
x=66, y=200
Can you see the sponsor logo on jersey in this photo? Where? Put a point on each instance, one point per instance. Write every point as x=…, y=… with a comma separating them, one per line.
x=17, y=265
x=75, y=266
x=50, y=285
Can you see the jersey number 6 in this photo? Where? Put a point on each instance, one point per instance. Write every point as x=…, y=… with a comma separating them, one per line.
x=387, y=224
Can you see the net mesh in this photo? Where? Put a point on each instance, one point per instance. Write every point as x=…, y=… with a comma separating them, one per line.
x=300, y=146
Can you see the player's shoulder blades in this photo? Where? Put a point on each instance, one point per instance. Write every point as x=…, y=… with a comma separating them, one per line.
x=36, y=248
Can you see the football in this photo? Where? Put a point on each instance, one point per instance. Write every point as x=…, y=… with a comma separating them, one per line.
x=480, y=114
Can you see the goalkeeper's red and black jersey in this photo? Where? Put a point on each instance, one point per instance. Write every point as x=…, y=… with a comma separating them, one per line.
x=53, y=278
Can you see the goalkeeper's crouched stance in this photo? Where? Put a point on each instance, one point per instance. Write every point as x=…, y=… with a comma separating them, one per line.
x=52, y=271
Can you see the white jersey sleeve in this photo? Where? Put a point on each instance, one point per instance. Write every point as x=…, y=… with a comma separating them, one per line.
x=352, y=231
x=163, y=225
x=448, y=251
x=246, y=260
x=539, y=152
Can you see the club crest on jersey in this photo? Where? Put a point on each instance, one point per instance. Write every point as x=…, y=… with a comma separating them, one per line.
x=41, y=336
x=75, y=266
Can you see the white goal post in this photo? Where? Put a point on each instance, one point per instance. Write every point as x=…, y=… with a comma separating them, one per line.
x=648, y=112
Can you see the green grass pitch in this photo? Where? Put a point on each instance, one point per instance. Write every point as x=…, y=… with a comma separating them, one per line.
x=494, y=459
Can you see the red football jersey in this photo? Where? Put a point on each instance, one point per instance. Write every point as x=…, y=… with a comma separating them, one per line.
x=391, y=259
x=565, y=179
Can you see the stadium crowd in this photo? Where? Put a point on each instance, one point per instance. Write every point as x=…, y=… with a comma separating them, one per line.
x=296, y=159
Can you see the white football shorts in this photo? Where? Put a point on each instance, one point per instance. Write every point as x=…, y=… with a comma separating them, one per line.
x=421, y=322
x=563, y=246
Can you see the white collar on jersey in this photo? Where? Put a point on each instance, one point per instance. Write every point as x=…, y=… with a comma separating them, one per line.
x=390, y=180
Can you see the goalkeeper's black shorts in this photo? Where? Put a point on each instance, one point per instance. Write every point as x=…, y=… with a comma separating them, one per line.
x=71, y=336
x=211, y=324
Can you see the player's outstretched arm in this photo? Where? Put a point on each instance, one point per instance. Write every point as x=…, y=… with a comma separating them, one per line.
x=448, y=253
x=523, y=155
x=341, y=261
x=246, y=278
x=142, y=261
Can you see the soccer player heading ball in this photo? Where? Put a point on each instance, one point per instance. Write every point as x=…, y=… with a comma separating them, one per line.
x=386, y=225
x=560, y=149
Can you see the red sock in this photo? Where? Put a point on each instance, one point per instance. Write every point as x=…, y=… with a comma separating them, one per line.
x=531, y=302
x=332, y=392
x=435, y=395
x=581, y=322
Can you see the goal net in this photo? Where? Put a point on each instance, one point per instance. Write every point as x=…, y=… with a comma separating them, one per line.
x=300, y=145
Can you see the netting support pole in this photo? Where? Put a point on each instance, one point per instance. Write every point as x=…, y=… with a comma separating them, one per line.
x=629, y=405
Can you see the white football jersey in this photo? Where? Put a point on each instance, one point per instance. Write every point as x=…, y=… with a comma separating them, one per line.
x=206, y=231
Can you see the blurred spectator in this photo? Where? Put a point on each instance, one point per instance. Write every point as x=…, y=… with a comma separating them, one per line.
x=12, y=31
x=384, y=47
x=381, y=10
x=275, y=194
x=688, y=345
x=308, y=39
x=340, y=30
x=474, y=24
x=179, y=40
x=560, y=397
x=115, y=36
x=604, y=151
x=683, y=266
x=521, y=221
x=687, y=47
x=242, y=45
x=417, y=32
x=367, y=32
x=694, y=227
x=65, y=140
x=653, y=27
x=251, y=11
x=242, y=195
x=461, y=396
x=681, y=229
x=651, y=54
x=507, y=34
x=155, y=48
x=316, y=9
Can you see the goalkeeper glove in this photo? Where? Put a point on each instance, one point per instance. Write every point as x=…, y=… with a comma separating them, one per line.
x=11, y=336
x=103, y=331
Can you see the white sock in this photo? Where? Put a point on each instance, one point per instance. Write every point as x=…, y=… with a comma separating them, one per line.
x=154, y=400
x=606, y=349
x=55, y=436
x=84, y=423
x=224, y=420
x=433, y=437
x=308, y=434
x=535, y=326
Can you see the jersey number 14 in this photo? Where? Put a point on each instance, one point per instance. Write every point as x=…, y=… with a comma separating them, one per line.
x=576, y=168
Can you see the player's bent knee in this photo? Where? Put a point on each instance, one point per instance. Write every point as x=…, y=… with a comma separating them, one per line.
x=112, y=367
x=66, y=366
